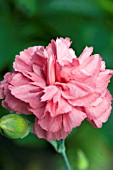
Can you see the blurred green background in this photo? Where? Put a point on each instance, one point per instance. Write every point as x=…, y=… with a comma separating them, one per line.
x=25, y=23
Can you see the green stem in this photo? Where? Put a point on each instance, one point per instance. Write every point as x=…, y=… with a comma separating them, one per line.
x=62, y=150
x=66, y=162
x=59, y=146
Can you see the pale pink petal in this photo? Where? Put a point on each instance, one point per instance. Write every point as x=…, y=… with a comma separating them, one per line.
x=41, y=133
x=101, y=112
x=23, y=61
x=1, y=91
x=50, y=70
x=57, y=96
x=36, y=79
x=79, y=74
x=89, y=83
x=4, y=85
x=19, y=79
x=49, y=92
x=76, y=90
x=66, y=72
x=103, y=66
x=38, y=70
x=49, y=136
x=63, y=106
x=64, y=55
x=85, y=101
x=97, y=122
x=58, y=105
x=85, y=54
x=73, y=119
x=97, y=101
x=49, y=123
x=51, y=108
x=67, y=41
x=103, y=118
x=51, y=48
x=58, y=68
x=27, y=93
x=92, y=65
x=103, y=79
x=7, y=78
x=13, y=104
x=26, y=63
x=58, y=108
x=40, y=56
x=96, y=111
x=38, y=112
x=72, y=53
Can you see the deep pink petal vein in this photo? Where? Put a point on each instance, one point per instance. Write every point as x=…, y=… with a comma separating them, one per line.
x=60, y=89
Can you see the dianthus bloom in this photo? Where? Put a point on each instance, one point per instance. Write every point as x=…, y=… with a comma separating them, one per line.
x=60, y=89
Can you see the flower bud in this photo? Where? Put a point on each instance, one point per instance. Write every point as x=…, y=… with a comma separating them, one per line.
x=14, y=126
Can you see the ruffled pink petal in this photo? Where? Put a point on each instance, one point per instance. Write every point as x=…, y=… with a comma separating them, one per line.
x=76, y=90
x=94, y=112
x=79, y=74
x=4, y=85
x=63, y=106
x=49, y=136
x=51, y=48
x=85, y=101
x=49, y=123
x=97, y=101
x=38, y=112
x=1, y=91
x=66, y=71
x=102, y=119
x=52, y=108
x=67, y=41
x=13, y=104
x=103, y=79
x=27, y=93
x=89, y=84
x=103, y=66
x=92, y=65
x=26, y=64
x=51, y=70
x=38, y=70
x=101, y=112
x=49, y=92
x=85, y=54
x=58, y=108
x=23, y=61
x=73, y=119
x=36, y=79
x=40, y=56
x=18, y=79
x=64, y=54
x=57, y=96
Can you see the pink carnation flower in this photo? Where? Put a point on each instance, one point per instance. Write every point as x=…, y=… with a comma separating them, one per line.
x=58, y=88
